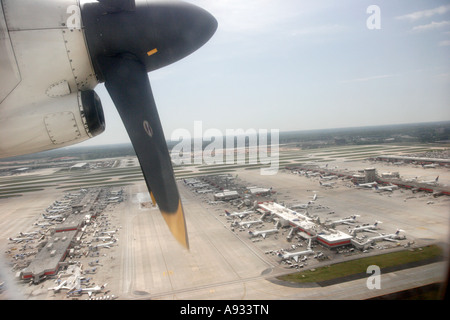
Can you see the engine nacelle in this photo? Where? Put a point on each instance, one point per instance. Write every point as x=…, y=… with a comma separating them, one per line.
x=46, y=78
x=56, y=123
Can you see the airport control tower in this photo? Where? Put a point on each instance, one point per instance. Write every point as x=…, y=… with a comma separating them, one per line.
x=371, y=175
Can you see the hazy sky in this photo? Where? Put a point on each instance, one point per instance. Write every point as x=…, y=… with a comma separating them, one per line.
x=301, y=65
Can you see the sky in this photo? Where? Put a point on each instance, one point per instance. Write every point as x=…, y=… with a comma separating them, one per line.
x=302, y=65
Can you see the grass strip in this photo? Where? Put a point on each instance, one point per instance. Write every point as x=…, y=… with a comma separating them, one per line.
x=351, y=267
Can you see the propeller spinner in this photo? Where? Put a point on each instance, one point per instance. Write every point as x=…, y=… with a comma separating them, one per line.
x=126, y=40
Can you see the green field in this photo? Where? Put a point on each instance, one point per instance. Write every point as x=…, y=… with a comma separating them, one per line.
x=352, y=267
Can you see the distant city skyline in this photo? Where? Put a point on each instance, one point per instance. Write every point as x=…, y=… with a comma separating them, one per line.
x=303, y=65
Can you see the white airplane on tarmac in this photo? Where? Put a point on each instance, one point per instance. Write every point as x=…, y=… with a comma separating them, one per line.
x=71, y=283
x=249, y=223
x=390, y=187
x=302, y=205
x=328, y=177
x=365, y=228
x=105, y=232
x=53, y=217
x=56, y=208
x=24, y=234
x=105, y=238
x=366, y=185
x=431, y=182
x=263, y=233
x=43, y=224
x=238, y=214
x=312, y=174
x=18, y=240
x=349, y=220
x=105, y=245
x=389, y=237
x=296, y=255
x=327, y=184
x=89, y=291
x=60, y=286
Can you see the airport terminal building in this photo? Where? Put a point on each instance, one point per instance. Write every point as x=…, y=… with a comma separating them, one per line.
x=307, y=227
x=64, y=237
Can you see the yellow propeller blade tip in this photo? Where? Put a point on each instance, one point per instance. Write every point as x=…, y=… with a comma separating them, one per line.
x=177, y=225
x=153, y=198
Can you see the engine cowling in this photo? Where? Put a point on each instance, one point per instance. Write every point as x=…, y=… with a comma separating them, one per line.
x=92, y=113
x=46, y=97
x=56, y=123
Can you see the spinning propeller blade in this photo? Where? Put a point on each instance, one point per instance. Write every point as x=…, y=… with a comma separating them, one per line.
x=126, y=40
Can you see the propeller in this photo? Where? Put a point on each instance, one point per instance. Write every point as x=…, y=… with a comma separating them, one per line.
x=126, y=40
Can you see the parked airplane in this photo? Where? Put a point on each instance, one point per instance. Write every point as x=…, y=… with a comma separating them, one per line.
x=53, y=217
x=51, y=63
x=296, y=255
x=365, y=228
x=331, y=177
x=61, y=285
x=105, y=232
x=366, y=185
x=238, y=214
x=390, y=187
x=349, y=220
x=71, y=283
x=60, y=208
x=431, y=182
x=48, y=210
x=104, y=245
x=262, y=233
x=89, y=291
x=18, y=240
x=327, y=184
x=43, y=224
x=302, y=205
x=24, y=234
x=389, y=237
x=105, y=238
x=249, y=223
x=62, y=202
x=312, y=174
x=205, y=191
